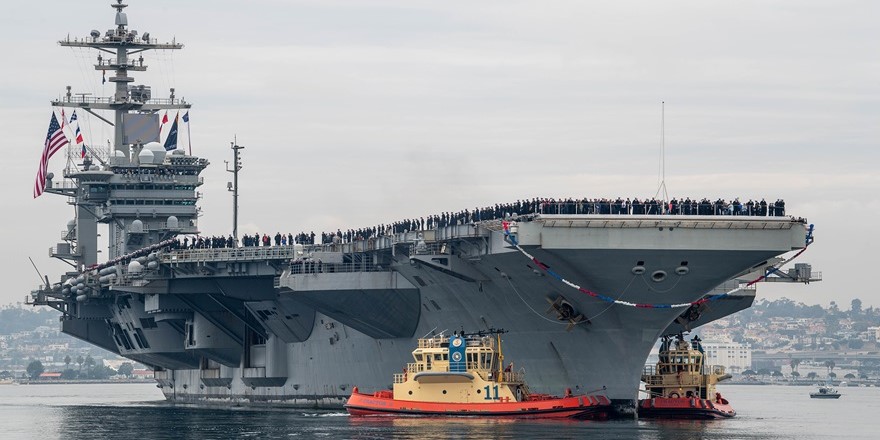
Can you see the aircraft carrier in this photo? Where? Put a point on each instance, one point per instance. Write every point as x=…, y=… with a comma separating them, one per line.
x=301, y=324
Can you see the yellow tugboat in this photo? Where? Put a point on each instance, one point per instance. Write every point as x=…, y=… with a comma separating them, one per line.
x=680, y=386
x=463, y=375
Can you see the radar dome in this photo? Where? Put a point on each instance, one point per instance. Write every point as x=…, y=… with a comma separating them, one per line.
x=173, y=223
x=118, y=158
x=145, y=157
x=136, y=227
x=135, y=267
x=158, y=151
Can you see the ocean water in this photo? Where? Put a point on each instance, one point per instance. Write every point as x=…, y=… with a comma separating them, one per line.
x=138, y=411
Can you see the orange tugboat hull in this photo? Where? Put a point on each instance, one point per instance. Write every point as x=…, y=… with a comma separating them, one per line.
x=381, y=404
x=685, y=408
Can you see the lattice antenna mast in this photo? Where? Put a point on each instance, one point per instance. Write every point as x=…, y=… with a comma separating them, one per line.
x=661, y=190
x=122, y=43
x=233, y=186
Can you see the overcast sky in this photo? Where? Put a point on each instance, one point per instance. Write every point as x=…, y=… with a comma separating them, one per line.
x=355, y=113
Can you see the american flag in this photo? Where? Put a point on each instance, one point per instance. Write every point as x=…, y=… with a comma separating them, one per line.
x=55, y=139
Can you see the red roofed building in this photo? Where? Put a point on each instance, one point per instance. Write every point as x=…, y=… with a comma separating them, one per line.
x=50, y=376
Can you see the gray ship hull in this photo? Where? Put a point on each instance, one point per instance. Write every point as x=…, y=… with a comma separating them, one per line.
x=357, y=326
x=301, y=326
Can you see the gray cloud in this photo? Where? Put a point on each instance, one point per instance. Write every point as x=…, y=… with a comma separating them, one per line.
x=357, y=113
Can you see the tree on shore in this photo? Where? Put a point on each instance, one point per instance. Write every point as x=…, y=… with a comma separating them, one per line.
x=856, y=306
x=829, y=364
x=126, y=369
x=90, y=362
x=35, y=369
x=101, y=372
x=67, y=362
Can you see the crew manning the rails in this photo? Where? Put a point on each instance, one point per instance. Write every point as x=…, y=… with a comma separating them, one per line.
x=619, y=206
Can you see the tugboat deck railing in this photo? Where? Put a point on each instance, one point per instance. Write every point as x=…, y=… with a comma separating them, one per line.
x=653, y=377
x=473, y=367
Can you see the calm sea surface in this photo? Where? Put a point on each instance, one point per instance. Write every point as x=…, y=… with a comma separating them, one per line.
x=138, y=411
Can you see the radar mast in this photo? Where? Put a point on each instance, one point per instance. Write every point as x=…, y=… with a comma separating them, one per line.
x=128, y=99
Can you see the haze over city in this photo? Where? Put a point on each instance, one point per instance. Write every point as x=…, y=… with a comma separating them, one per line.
x=360, y=113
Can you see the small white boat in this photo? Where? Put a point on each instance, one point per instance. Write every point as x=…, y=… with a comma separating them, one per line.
x=825, y=393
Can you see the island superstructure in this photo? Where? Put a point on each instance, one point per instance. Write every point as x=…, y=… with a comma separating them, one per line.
x=299, y=325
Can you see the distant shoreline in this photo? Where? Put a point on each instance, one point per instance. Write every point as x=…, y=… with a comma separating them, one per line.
x=84, y=381
x=801, y=383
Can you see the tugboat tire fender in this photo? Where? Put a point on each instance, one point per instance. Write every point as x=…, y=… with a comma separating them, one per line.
x=674, y=395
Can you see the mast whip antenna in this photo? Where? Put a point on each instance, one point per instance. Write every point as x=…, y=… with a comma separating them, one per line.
x=40, y=275
x=661, y=190
x=233, y=186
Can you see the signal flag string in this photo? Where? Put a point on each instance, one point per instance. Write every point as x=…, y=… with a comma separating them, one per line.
x=774, y=268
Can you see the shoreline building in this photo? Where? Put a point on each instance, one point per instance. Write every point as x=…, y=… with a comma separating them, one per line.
x=734, y=356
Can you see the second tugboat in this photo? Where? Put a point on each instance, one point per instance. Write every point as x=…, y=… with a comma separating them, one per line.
x=463, y=375
x=680, y=386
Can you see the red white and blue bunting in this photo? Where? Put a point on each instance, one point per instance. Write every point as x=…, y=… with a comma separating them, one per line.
x=774, y=268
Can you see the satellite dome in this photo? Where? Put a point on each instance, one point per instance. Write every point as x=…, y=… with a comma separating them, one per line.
x=172, y=223
x=158, y=151
x=118, y=158
x=146, y=157
x=136, y=227
x=134, y=267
